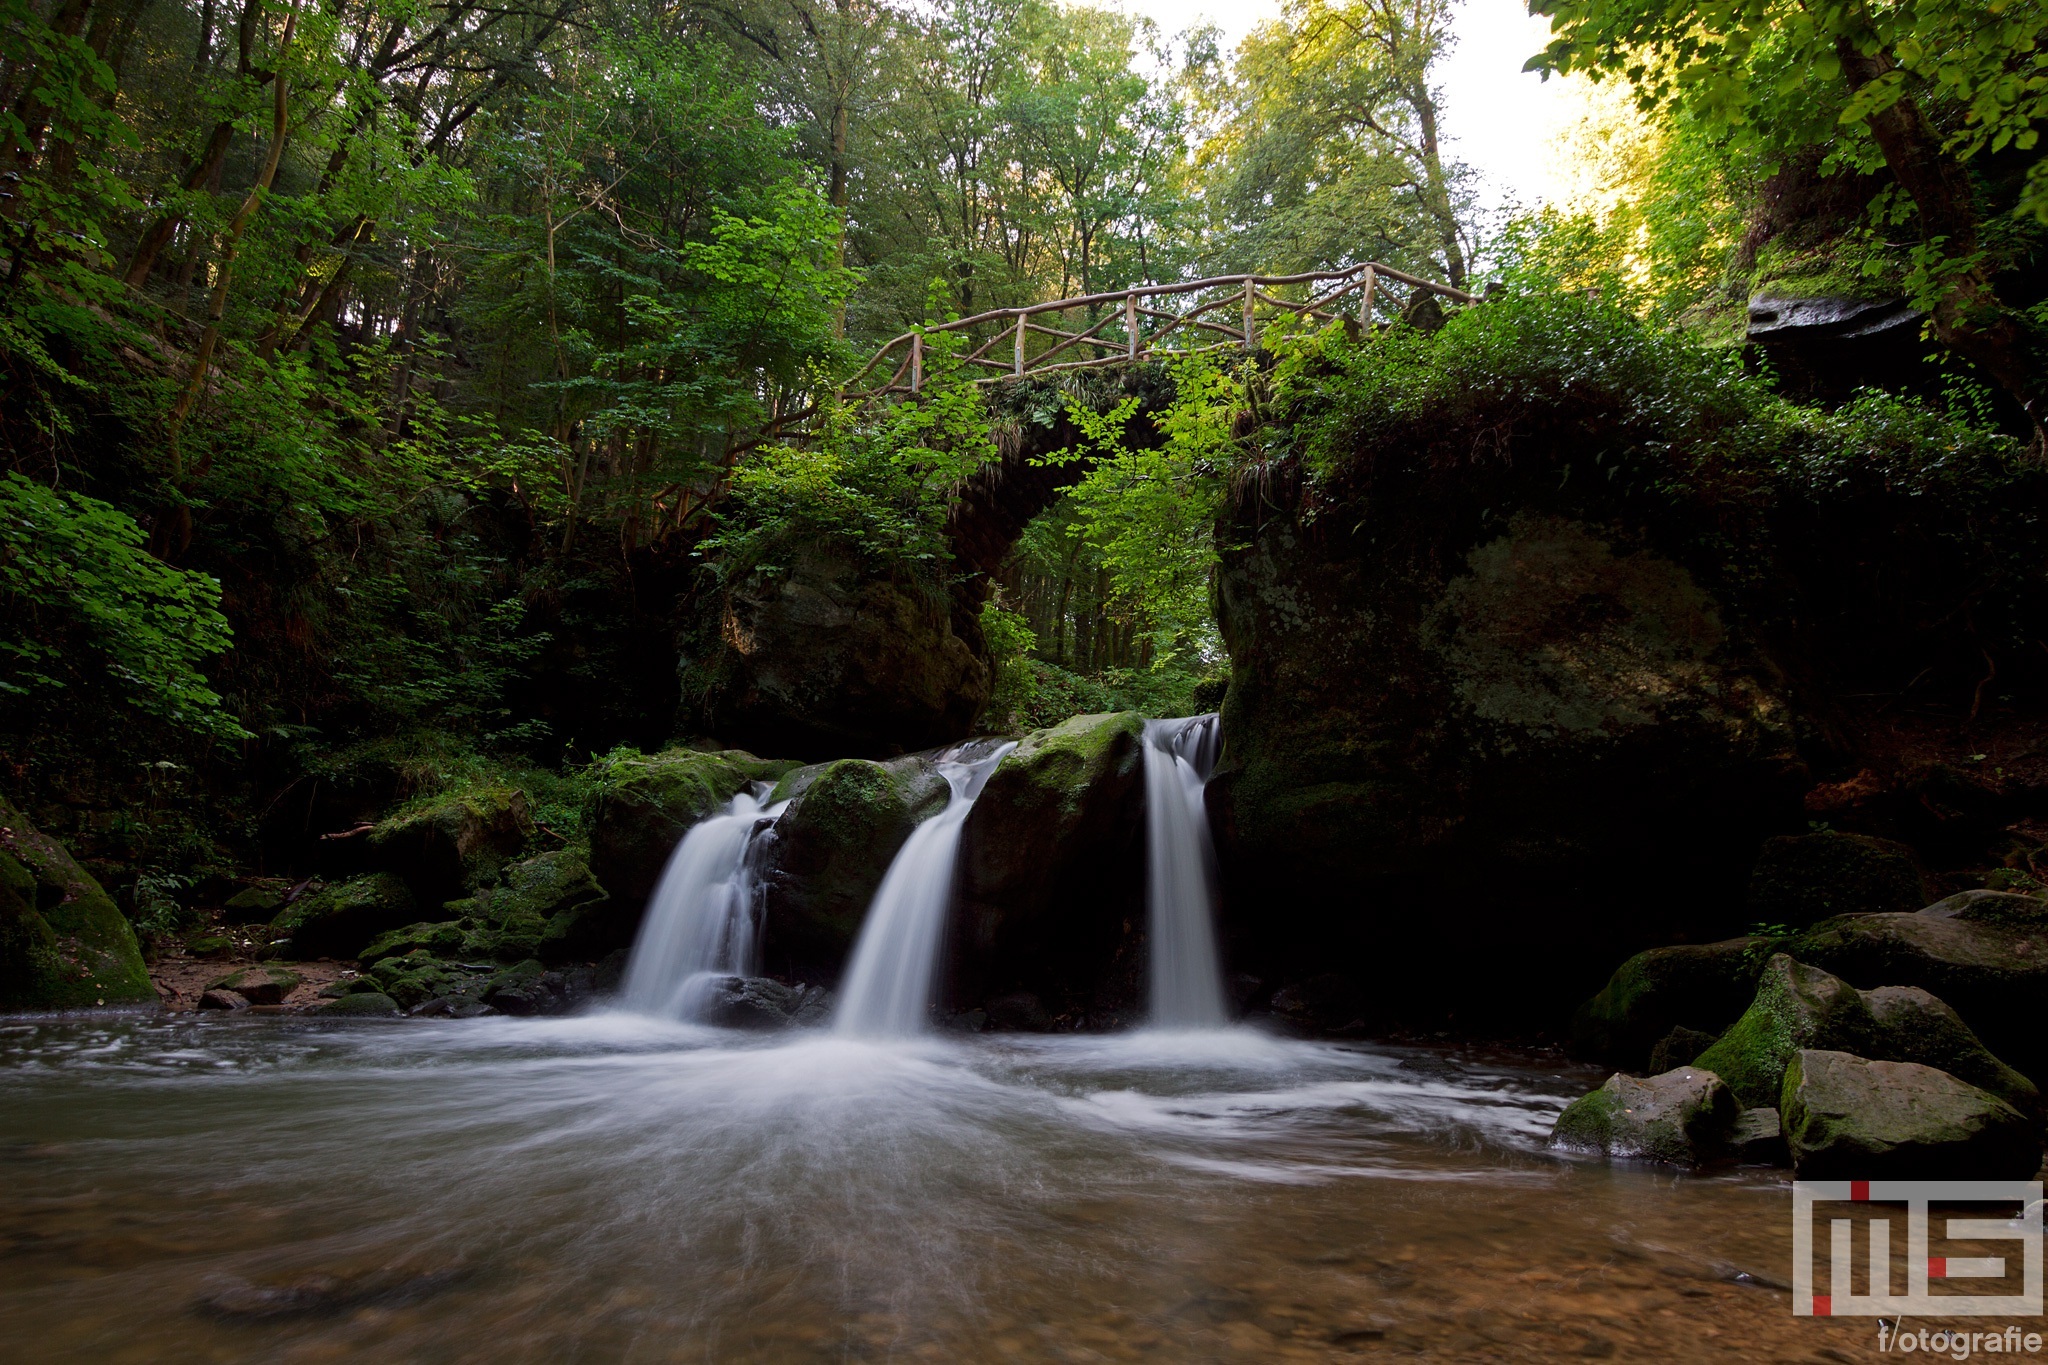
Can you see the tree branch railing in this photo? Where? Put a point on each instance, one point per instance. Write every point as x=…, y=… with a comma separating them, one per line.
x=1147, y=323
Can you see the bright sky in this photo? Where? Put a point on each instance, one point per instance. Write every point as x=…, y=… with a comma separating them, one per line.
x=1502, y=122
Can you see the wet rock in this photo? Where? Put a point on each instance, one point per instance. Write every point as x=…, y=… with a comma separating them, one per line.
x=644, y=807
x=824, y=657
x=253, y=905
x=1759, y=1138
x=419, y=976
x=1684, y=1117
x=826, y=856
x=749, y=1002
x=320, y=1295
x=1802, y=878
x=1848, y=1117
x=1020, y=1011
x=64, y=944
x=1052, y=870
x=1679, y=1048
x=1984, y=952
x=1696, y=986
x=527, y=989
x=217, y=999
x=259, y=985
x=1795, y=1007
x=360, y=1005
x=341, y=920
x=451, y=1007
x=454, y=843
x=1327, y=1003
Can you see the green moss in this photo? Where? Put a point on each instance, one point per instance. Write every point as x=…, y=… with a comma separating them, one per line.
x=1795, y=1007
x=1702, y=986
x=340, y=920
x=453, y=842
x=64, y=944
x=1066, y=759
x=440, y=938
x=1839, y=268
x=361, y=1005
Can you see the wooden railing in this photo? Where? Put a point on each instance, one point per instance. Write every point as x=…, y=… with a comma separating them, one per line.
x=1135, y=325
x=1129, y=326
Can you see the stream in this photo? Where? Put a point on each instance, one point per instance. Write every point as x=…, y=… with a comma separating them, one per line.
x=613, y=1187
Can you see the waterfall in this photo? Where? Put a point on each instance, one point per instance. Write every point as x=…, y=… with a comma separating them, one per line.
x=703, y=920
x=888, y=987
x=1180, y=883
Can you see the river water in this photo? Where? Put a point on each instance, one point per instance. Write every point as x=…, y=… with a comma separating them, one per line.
x=611, y=1188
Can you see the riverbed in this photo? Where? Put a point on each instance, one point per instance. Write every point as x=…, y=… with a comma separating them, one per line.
x=611, y=1188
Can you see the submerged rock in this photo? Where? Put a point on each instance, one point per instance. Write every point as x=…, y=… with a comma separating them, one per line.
x=1801, y=878
x=1848, y=1117
x=826, y=856
x=341, y=920
x=64, y=944
x=1052, y=862
x=361, y=1005
x=453, y=844
x=1695, y=986
x=644, y=807
x=1685, y=1117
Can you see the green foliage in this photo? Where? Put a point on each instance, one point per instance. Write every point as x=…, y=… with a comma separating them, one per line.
x=98, y=616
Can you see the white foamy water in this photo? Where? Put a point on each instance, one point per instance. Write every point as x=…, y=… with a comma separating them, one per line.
x=1180, y=874
x=887, y=991
x=704, y=918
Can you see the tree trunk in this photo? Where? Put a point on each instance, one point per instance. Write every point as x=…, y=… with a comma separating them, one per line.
x=1967, y=315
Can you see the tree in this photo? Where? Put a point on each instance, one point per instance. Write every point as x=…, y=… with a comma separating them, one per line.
x=1932, y=91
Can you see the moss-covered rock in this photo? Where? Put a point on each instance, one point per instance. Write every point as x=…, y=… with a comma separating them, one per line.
x=419, y=976
x=1913, y=1026
x=645, y=806
x=360, y=1005
x=1801, y=878
x=340, y=920
x=257, y=904
x=1985, y=953
x=1795, y=1007
x=1848, y=1117
x=259, y=985
x=1696, y=986
x=64, y=944
x=1052, y=869
x=442, y=938
x=453, y=844
x=1684, y=1117
x=829, y=850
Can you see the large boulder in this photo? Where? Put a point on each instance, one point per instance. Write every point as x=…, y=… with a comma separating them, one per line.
x=760, y=1003
x=1795, y=1007
x=1913, y=1026
x=829, y=851
x=645, y=804
x=340, y=920
x=548, y=907
x=1052, y=864
x=1983, y=952
x=1848, y=1117
x=1430, y=703
x=453, y=843
x=64, y=944
x=1702, y=987
x=822, y=656
x=1685, y=1117
x=1801, y=878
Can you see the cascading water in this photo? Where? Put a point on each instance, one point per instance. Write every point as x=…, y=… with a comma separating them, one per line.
x=1180, y=883
x=888, y=987
x=702, y=921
